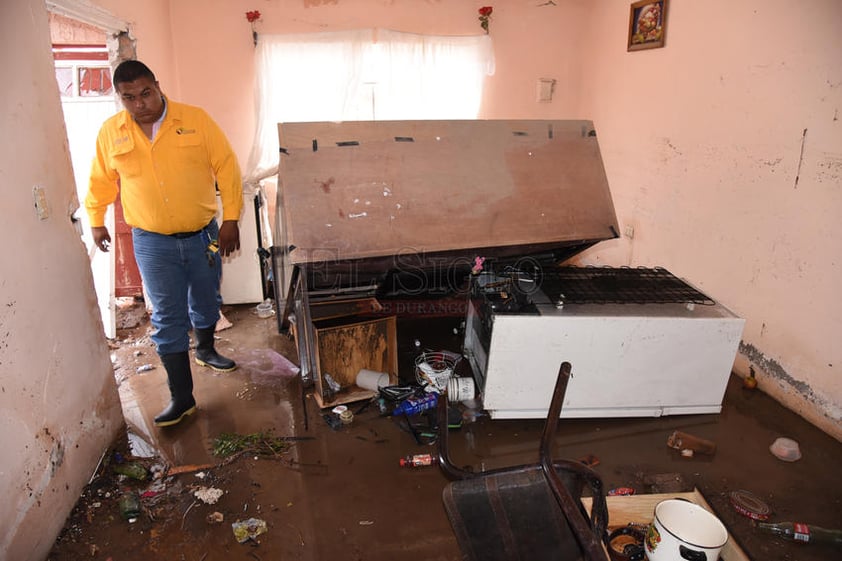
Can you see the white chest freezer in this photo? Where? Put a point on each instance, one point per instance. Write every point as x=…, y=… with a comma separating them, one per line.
x=649, y=354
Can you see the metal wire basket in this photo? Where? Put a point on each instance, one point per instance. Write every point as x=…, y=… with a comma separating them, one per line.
x=435, y=368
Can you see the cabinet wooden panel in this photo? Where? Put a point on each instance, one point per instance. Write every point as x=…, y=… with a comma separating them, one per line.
x=342, y=350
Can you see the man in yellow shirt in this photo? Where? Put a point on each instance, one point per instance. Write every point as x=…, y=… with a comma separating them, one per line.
x=167, y=160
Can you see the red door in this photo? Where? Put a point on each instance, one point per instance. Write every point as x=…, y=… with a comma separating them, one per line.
x=127, y=281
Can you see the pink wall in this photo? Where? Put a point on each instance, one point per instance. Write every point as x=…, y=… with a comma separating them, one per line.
x=59, y=407
x=703, y=142
x=702, y=139
x=150, y=25
x=215, y=51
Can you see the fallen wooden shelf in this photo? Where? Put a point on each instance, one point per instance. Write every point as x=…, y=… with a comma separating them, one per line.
x=640, y=509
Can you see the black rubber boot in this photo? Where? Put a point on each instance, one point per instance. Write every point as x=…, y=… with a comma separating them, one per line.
x=206, y=355
x=180, y=381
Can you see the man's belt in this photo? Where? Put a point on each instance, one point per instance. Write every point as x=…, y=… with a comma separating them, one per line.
x=182, y=235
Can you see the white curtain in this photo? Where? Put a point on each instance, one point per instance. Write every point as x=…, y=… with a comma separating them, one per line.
x=362, y=75
x=431, y=77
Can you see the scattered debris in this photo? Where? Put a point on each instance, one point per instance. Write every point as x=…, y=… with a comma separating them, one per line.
x=665, y=483
x=333, y=387
x=260, y=443
x=175, y=470
x=215, y=517
x=222, y=323
x=131, y=313
x=184, y=516
x=418, y=460
x=130, y=505
x=750, y=381
x=626, y=542
x=786, y=449
x=332, y=421
x=684, y=441
x=264, y=309
x=750, y=505
x=589, y=460
x=132, y=469
x=145, y=368
x=245, y=530
x=435, y=368
x=208, y=495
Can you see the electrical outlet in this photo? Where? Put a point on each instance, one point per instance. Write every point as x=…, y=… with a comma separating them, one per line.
x=40, y=197
x=629, y=231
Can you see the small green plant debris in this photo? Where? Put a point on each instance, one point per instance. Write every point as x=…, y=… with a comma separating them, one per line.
x=262, y=443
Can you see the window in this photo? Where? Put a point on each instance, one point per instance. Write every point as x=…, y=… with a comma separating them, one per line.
x=82, y=71
x=363, y=75
x=94, y=81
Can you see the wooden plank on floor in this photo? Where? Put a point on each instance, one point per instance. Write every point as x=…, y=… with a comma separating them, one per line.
x=640, y=509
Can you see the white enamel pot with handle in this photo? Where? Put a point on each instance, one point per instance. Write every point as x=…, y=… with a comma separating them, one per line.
x=684, y=531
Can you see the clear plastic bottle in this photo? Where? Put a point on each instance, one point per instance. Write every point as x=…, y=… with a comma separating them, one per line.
x=802, y=533
x=419, y=460
x=415, y=405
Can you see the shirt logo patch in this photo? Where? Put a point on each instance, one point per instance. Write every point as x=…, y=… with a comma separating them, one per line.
x=119, y=141
x=182, y=130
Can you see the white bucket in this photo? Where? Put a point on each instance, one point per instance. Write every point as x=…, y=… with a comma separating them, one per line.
x=460, y=389
x=372, y=380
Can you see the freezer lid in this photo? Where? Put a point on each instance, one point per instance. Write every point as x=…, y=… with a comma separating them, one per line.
x=375, y=190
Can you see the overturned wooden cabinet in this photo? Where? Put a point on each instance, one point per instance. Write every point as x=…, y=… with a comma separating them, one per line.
x=370, y=212
x=366, y=210
x=335, y=341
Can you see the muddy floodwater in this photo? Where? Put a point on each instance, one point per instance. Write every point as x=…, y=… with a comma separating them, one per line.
x=337, y=491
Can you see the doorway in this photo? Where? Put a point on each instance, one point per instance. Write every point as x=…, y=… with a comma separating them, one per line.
x=83, y=54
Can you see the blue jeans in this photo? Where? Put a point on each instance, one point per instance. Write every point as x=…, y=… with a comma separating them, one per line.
x=181, y=278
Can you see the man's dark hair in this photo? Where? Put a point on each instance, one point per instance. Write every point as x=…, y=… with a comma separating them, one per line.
x=131, y=70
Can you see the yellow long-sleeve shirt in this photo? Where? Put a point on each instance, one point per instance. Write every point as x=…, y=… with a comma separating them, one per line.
x=167, y=185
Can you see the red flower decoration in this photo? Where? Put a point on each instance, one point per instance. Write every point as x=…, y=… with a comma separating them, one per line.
x=252, y=18
x=485, y=17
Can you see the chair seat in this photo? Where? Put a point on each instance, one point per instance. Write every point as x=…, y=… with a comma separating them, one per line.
x=511, y=516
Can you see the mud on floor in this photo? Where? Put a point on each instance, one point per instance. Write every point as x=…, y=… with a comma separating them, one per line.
x=340, y=494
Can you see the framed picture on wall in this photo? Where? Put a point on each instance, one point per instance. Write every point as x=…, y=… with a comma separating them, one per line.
x=647, y=24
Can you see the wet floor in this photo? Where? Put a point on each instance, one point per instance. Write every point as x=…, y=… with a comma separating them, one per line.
x=341, y=494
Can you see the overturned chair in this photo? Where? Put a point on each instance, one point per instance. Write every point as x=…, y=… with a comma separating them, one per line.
x=528, y=512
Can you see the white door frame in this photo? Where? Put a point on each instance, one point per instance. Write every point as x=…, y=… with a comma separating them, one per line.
x=102, y=264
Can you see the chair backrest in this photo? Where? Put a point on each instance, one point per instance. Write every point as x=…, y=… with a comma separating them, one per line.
x=529, y=512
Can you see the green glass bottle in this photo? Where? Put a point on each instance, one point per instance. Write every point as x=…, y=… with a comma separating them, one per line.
x=802, y=533
x=129, y=505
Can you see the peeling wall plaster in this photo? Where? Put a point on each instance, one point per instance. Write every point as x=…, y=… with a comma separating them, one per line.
x=800, y=396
